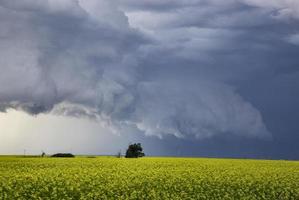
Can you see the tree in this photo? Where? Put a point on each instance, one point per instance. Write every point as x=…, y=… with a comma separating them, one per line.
x=134, y=151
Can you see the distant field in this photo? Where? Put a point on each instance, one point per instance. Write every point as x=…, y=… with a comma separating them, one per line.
x=147, y=178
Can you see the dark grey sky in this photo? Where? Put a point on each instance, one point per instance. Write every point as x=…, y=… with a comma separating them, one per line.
x=196, y=77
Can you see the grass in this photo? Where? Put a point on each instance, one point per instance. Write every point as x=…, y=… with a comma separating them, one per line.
x=147, y=178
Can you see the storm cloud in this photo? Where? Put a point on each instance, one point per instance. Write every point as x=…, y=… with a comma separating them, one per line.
x=160, y=67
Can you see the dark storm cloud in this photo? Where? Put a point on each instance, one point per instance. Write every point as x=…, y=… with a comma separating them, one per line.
x=250, y=45
x=160, y=67
x=54, y=53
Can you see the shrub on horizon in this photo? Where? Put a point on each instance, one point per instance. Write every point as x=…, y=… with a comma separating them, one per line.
x=63, y=155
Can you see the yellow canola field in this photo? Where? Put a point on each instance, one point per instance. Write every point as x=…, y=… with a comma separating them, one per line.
x=147, y=178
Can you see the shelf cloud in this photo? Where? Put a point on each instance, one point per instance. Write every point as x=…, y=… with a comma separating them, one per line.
x=159, y=67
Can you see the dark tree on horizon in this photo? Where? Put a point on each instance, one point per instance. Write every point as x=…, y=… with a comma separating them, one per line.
x=134, y=151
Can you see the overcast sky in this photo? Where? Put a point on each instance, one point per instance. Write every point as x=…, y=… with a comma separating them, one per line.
x=184, y=77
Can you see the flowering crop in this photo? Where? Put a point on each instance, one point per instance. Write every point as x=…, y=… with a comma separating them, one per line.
x=147, y=178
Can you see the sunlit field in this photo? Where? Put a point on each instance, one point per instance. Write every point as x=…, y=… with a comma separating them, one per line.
x=147, y=178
